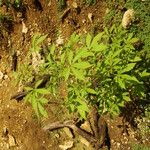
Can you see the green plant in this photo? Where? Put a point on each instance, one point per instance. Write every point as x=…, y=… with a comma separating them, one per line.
x=35, y=96
x=103, y=70
x=141, y=28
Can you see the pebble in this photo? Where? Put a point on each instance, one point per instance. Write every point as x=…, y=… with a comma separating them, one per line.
x=86, y=126
x=11, y=141
x=90, y=16
x=60, y=41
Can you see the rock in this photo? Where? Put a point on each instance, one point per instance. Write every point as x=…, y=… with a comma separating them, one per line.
x=68, y=132
x=59, y=41
x=11, y=141
x=86, y=126
x=5, y=132
x=128, y=18
x=84, y=141
x=67, y=145
x=90, y=16
x=24, y=28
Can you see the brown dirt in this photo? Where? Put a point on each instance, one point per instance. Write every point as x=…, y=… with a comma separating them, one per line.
x=17, y=117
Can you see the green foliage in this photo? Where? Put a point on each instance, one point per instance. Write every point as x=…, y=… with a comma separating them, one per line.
x=35, y=96
x=103, y=70
x=141, y=28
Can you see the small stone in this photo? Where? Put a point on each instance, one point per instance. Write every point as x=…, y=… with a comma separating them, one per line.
x=5, y=132
x=128, y=18
x=67, y=145
x=86, y=126
x=60, y=41
x=24, y=28
x=90, y=16
x=68, y=132
x=11, y=141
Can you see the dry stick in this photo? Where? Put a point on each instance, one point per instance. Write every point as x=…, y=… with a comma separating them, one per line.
x=70, y=124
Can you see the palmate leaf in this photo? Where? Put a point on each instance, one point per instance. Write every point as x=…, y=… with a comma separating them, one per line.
x=78, y=73
x=88, y=40
x=121, y=82
x=52, y=49
x=42, y=91
x=91, y=91
x=129, y=67
x=70, y=57
x=35, y=106
x=43, y=101
x=82, y=53
x=99, y=47
x=40, y=39
x=82, y=65
x=145, y=74
x=129, y=78
x=66, y=73
x=82, y=108
x=42, y=110
x=96, y=39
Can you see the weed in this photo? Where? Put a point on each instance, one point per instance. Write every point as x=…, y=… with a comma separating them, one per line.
x=102, y=70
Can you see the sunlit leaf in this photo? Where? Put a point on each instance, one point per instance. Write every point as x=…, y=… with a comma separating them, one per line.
x=82, y=65
x=88, y=40
x=70, y=57
x=78, y=74
x=91, y=91
x=66, y=73
x=38, y=83
x=43, y=100
x=42, y=111
x=129, y=67
x=129, y=78
x=42, y=91
x=35, y=107
x=83, y=53
x=145, y=74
